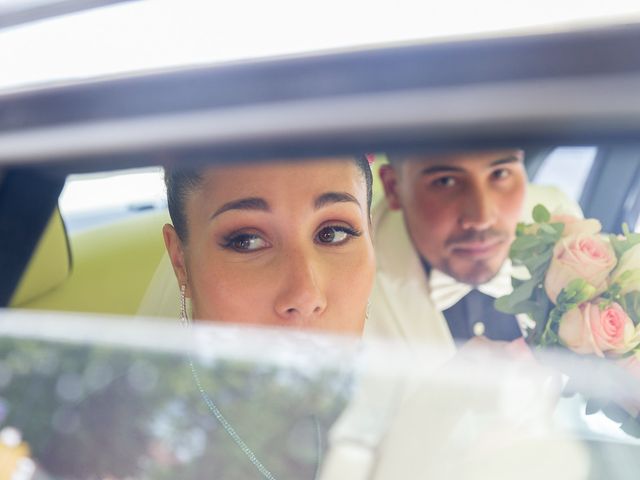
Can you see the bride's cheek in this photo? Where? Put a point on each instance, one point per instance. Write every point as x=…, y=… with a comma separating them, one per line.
x=354, y=274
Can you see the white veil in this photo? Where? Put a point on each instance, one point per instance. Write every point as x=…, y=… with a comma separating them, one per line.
x=162, y=298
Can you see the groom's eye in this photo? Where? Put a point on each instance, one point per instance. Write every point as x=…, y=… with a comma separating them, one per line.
x=501, y=174
x=444, y=182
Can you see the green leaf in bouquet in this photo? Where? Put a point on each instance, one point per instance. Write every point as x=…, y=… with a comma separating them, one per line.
x=615, y=412
x=574, y=287
x=541, y=214
x=523, y=244
x=535, y=334
x=553, y=231
x=535, y=306
x=622, y=244
x=628, y=280
x=576, y=292
x=533, y=251
x=541, y=315
x=613, y=292
x=558, y=229
x=549, y=335
x=626, y=276
x=571, y=387
x=538, y=313
x=504, y=305
x=631, y=426
x=539, y=261
x=631, y=304
x=630, y=353
x=543, y=300
x=594, y=405
x=619, y=245
x=509, y=303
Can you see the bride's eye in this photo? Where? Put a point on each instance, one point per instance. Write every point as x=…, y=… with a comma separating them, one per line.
x=336, y=235
x=245, y=242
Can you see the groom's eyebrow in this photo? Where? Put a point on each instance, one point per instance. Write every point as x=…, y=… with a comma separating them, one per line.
x=334, y=197
x=505, y=160
x=250, y=203
x=444, y=168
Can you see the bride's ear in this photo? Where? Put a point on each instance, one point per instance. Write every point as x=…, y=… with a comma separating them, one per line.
x=176, y=254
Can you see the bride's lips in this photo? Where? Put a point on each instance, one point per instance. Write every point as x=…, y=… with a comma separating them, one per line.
x=478, y=249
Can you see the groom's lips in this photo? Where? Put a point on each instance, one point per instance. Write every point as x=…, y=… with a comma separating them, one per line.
x=478, y=249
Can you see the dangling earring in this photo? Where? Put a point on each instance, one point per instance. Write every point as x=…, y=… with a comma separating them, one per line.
x=184, y=318
x=367, y=311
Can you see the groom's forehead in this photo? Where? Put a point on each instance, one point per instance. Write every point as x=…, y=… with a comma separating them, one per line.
x=465, y=160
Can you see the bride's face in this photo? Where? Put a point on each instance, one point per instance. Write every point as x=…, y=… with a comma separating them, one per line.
x=278, y=244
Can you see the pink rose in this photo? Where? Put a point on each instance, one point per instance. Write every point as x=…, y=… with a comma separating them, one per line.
x=591, y=329
x=589, y=257
x=574, y=225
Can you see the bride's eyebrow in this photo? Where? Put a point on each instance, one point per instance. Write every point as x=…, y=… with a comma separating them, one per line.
x=251, y=203
x=334, y=197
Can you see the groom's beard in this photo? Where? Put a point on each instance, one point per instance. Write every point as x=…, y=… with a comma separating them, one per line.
x=474, y=236
x=475, y=257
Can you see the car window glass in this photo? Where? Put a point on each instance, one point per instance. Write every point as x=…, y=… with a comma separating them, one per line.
x=133, y=405
x=163, y=397
x=127, y=348
x=567, y=168
x=91, y=200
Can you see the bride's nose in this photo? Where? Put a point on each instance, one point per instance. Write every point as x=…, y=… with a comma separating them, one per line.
x=301, y=297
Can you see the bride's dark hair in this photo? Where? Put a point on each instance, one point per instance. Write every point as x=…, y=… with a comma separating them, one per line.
x=181, y=180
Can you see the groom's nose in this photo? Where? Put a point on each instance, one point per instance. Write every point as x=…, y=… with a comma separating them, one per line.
x=479, y=210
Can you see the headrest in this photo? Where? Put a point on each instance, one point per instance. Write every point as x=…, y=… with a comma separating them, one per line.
x=49, y=266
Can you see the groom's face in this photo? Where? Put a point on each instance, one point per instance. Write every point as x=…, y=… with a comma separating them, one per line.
x=460, y=209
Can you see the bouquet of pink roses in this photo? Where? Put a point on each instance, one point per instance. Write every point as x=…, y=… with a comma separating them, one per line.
x=583, y=293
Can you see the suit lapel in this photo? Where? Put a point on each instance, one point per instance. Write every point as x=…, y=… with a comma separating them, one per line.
x=401, y=303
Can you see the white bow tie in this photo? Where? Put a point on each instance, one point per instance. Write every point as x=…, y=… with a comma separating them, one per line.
x=447, y=291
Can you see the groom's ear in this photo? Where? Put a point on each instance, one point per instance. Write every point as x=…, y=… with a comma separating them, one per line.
x=176, y=254
x=389, y=179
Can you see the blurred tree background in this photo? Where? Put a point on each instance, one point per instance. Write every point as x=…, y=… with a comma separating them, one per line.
x=94, y=412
